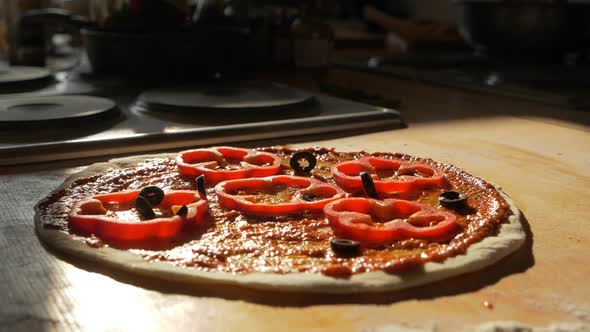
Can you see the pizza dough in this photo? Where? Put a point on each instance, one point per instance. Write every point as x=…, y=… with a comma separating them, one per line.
x=490, y=250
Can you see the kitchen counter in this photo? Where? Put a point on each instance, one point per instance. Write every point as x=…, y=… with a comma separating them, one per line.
x=538, y=154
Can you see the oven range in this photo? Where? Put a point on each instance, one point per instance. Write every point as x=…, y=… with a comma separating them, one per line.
x=55, y=116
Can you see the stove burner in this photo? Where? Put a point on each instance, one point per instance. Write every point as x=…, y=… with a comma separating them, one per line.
x=40, y=110
x=223, y=96
x=21, y=74
x=119, y=125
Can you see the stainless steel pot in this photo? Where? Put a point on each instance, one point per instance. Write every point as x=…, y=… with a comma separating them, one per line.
x=531, y=30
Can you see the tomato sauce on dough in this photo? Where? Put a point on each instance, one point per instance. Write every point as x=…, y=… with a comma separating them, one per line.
x=231, y=241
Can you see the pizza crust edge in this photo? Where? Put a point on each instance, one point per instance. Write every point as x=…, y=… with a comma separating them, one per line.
x=511, y=236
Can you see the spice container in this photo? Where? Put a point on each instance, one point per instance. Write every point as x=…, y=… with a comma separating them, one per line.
x=313, y=39
x=282, y=47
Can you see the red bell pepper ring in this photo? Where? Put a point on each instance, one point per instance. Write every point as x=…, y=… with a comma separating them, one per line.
x=347, y=175
x=227, y=163
x=288, y=195
x=89, y=215
x=354, y=219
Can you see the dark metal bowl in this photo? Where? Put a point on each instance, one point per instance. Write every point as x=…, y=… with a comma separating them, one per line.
x=199, y=53
x=529, y=29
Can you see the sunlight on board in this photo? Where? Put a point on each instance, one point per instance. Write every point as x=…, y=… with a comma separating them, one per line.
x=101, y=304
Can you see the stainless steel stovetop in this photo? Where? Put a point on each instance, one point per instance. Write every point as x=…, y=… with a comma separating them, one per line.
x=133, y=127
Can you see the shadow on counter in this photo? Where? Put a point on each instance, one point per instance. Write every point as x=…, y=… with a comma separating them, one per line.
x=518, y=262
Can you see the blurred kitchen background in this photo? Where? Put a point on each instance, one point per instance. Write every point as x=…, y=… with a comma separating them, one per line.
x=532, y=49
x=273, y=28
x=101, y=77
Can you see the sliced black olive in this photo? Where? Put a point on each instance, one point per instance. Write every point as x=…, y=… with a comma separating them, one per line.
x=308, y=197
x=345, y=247
x=200, y=180
x=452, y=199
x=304, y=156
x=369, y=185
x=144, y=208
x=182, y=211
x=152, y=194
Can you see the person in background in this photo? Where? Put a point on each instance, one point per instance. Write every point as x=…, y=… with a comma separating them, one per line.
x=398, y=20
x=354, y=9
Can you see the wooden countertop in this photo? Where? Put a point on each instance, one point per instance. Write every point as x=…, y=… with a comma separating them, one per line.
x=539, y=154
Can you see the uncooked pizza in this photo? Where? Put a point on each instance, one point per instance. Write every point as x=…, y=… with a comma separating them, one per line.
x=281, y=219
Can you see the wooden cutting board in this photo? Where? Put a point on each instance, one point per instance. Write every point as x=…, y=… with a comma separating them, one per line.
x=539, y=155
